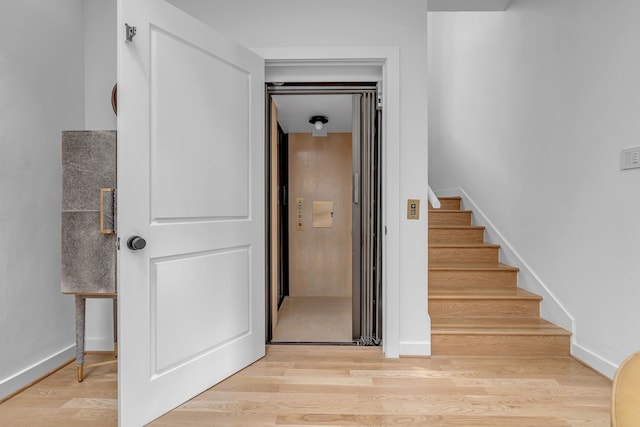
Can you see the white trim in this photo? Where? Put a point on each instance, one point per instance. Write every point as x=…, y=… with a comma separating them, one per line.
x=389, y=59
x=392, y=205
x=433, y=199
x=295, y=72
x=31, y=373
x=415, y=348
x=99, y=344
x=551, y=308
x=468, y=5
x=591, y=359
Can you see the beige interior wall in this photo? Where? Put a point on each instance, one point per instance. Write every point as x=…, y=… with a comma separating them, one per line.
x=320, y=258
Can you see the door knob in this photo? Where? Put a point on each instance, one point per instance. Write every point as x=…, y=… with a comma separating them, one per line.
x=135, y=243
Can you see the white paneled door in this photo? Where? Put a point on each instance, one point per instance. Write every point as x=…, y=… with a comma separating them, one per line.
x=191, y=187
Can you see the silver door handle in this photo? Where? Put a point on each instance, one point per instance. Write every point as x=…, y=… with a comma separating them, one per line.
x=356, y=188
x=136, y=243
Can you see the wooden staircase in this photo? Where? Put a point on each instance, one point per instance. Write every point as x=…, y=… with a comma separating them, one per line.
x=475, y=305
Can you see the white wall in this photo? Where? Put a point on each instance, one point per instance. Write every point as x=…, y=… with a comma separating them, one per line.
x=338, y=23
x=100, y=63
x=99, y=78
x=289, y=23
x=528, y=112
x=41, y=94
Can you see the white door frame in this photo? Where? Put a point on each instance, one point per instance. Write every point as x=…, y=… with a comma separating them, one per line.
x=389, y=59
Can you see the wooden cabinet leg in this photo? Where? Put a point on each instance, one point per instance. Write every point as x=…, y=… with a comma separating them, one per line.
x=80, y=318
x=115, y=327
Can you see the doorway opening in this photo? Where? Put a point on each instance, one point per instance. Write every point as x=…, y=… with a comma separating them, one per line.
x=324, y=225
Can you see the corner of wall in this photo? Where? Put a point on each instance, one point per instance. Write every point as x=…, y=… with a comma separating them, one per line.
x=415, y=348
x=592, y=360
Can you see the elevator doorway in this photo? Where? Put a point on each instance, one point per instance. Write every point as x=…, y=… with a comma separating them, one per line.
x=325, y=203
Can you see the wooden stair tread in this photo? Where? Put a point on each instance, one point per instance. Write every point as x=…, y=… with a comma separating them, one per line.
x=457, y=227
x=471, y=267
x=450, y=210
x=479, y=294
x=456, y=198
x=495, y=326
x=447, y=203
x=463, y=245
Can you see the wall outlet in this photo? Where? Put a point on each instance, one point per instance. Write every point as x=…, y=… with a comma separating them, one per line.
x=630, y=158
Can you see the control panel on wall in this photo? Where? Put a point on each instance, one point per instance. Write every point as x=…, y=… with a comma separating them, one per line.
x=299, y=213
x=413, y=209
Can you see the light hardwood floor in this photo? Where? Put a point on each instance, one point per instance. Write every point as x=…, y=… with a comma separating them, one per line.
x=346, y=386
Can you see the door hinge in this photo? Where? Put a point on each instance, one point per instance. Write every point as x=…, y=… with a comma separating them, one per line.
x=118, y=243
x=130, y=32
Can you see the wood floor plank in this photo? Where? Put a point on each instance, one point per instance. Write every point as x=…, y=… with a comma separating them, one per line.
x=346, y=386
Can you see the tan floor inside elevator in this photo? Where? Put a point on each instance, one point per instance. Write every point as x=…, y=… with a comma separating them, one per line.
x=314, y=319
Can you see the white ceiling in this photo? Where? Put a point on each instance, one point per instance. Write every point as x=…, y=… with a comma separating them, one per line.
x=294, y=112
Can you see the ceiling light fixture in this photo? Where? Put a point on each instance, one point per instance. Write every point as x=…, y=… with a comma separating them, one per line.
x=318, y=121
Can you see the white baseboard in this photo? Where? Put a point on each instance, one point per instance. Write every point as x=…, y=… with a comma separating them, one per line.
x=591, y=359
x=98, y=344
x=30, y=374
x=415, y=348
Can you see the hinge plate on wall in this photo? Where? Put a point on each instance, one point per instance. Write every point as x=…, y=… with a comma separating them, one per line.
x=130, y=32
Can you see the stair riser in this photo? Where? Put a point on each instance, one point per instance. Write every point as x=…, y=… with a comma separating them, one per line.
x=448, y=204
x=469, y=235
x=500, y=345
x=449, y=218
x=483, y=308
x=461, y=256
x=444, y=279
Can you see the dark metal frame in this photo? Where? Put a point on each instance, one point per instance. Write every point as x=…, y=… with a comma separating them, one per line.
x=367, y=206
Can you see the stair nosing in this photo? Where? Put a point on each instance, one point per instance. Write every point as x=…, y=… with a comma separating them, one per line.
x=475, y=295
x=561, y=332
x=464, y=245
x=457, y=226
x=472, y=267
x=543, y=328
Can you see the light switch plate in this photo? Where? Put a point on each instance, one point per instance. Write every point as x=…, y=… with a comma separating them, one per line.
x=630, y=158
x=413, y=209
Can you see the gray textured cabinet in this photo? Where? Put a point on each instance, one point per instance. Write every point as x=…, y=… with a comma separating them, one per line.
x=88, y=223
